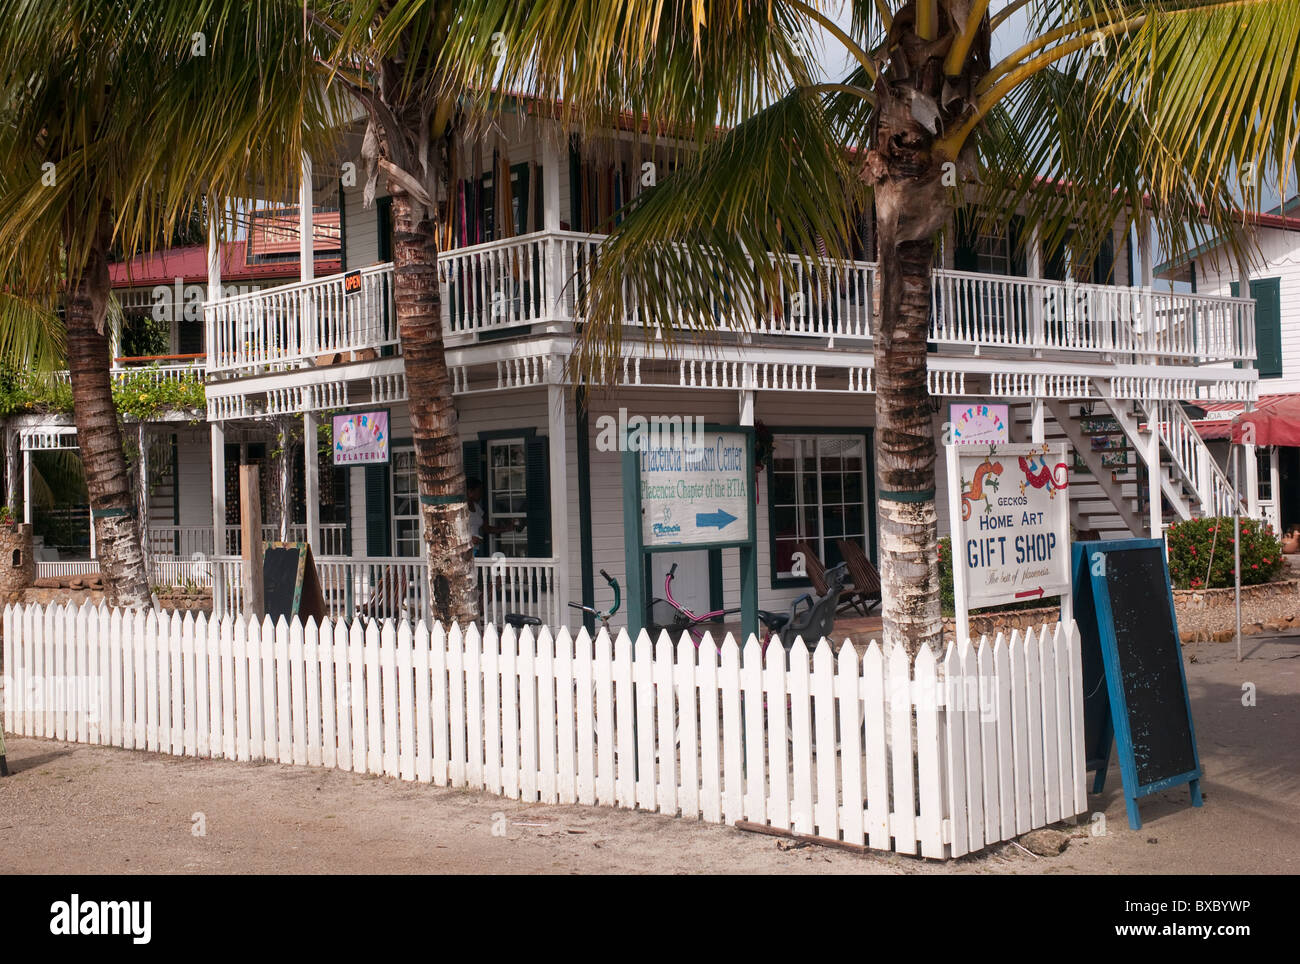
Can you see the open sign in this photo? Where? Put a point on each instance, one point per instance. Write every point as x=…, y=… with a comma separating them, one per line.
x=352, y=283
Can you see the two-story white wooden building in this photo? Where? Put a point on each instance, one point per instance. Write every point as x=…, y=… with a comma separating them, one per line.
x=1082, y=352
x=1273, y=278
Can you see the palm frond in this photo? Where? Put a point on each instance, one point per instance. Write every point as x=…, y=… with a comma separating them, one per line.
x=703, y=249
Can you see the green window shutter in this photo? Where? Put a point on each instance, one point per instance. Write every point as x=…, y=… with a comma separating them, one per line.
x=1267, y=294
x=1103, y=266
x=963, y=254
x=471, y=454
x=378, y=511
x=1019, y=253
x=537, y=469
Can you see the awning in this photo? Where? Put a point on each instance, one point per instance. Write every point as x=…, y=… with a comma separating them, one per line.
x=1277, y=423
x=1217, y=423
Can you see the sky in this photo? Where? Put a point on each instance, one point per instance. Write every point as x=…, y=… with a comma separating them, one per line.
x=1011, y=35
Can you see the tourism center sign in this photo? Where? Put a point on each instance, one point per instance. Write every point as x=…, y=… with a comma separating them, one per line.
x=695, y=491
x=1009, y=507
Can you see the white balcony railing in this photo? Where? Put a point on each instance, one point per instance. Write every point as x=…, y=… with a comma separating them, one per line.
x=1031, y=313
x=507, y=286
x=397, y=587
x=155, y=370
x=294, y=325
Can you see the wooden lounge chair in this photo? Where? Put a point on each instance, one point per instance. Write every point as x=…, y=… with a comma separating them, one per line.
x=817, y=576
x=388, y=599
x=866, y=578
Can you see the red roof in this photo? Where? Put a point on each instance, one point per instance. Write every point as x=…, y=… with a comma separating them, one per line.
x=190, y=264
x=1219, y=425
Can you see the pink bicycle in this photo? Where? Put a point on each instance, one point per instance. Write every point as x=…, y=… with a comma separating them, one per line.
x=809, y=616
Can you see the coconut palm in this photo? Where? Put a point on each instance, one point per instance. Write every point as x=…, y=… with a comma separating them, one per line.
x=1108, y=110
x=118, y=122
x=426, y=73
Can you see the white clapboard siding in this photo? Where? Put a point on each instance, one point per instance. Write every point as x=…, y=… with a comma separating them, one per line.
x=938, y=756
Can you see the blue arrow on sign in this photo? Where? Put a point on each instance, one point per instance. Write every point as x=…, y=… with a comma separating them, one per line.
x=721, y=519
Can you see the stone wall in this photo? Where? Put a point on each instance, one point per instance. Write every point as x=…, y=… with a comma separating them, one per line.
x=1210, y=614
x=1203, y=614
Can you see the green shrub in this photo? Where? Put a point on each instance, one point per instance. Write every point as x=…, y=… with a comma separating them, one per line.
x=1191, y=545
x=947, y=601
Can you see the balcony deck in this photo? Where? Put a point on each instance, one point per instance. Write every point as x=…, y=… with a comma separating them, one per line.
x=532, y=287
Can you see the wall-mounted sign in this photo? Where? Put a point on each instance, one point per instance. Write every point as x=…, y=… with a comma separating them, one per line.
x=696, y=492
x=1010, y=515
x=980, y=424
x=352, y=283
x=361, y=438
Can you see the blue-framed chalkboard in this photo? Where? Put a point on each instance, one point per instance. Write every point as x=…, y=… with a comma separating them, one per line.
x=1124, y=607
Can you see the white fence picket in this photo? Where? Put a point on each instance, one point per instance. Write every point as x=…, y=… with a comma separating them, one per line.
x=801, y=802
x=732, y=746
x=751, y=680
x=565, y=718
x=491, y=669
x=848, y=684
x=688, y=728
x=929, y=824
x=585, y=705
x=876, y=760
x=624, y=715
x=666, y=704
x=899, y=691
x=935, y=760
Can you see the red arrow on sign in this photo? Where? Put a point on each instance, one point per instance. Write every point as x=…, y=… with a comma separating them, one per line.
x=1031, y=592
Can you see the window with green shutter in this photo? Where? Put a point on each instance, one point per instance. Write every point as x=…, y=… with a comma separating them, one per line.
x=1267, y=293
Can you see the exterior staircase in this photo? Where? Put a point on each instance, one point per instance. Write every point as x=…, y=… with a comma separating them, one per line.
x=1113, y=442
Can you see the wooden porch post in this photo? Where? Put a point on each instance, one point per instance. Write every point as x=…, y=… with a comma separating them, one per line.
x=558, y=450
x=250, y=525
x=552, y=161
x=311, y=480
x=283, y=424
x=27, y=487
x=306, y=257
x=219, y=547
x=1154, y=494
x=1252, y=481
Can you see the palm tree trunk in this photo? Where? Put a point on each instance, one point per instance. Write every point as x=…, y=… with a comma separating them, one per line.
x=108, y=482
x=905, y=450
x=440, y=467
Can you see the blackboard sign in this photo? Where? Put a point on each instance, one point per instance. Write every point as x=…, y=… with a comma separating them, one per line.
x=1124, y=607
x=291, y=585
x=1097, y=732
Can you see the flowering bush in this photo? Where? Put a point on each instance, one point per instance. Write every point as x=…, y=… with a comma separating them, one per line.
x=1191, y=545
x=947, y=601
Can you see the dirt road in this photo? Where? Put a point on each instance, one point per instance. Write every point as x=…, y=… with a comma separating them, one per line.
x=77, y=809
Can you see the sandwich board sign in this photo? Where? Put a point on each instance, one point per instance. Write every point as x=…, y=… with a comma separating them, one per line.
x=1009, y=511
x=1124, y=607
x=689, y=490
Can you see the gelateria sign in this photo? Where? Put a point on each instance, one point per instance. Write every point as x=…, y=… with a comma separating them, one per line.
x=979, y=423
x=361, y=438
x=696, y=491
x=1010, y=517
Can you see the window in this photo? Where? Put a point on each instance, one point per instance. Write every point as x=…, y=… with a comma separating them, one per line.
x=406, y=504
x=819, y=496
x=507, y=495
x=993, y=254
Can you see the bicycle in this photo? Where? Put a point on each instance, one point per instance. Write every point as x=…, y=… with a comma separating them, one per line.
x=518, y=621
x=814, y=621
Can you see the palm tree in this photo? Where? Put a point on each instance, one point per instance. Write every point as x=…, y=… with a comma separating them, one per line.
x=426, y=73
x=117, y=123
x=1183, y=94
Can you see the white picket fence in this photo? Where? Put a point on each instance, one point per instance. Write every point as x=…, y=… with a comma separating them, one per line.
x=956, y=754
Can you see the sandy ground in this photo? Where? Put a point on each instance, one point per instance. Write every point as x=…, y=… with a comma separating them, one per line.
x=91, y=810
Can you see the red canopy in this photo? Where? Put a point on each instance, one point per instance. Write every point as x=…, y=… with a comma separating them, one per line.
x=1276, y=424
